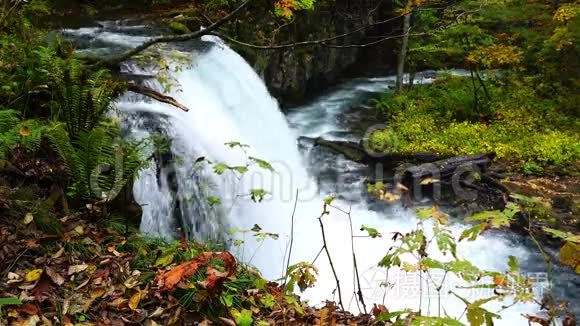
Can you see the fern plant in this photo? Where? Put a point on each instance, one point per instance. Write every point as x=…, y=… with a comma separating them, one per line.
x=100, y=163
x=83, y=97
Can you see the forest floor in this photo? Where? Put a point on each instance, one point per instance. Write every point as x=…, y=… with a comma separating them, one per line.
x=91, y=272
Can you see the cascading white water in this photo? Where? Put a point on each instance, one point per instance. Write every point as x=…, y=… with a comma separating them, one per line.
x=229, y=102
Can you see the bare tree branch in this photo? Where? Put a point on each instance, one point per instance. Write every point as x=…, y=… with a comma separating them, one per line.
x=322, y=42
x=150, y=92
x=172, y=38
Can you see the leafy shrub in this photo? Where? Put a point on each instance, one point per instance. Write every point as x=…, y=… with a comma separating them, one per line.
x=522, y=126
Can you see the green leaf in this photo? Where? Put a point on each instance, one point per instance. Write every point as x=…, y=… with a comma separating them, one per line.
x=329, y=199
x=268, y=301
x=446, y=243
x=260, y=283
x=257, y=195
x=240, y=169
x=513, y=264
x=233, y=144
x=243, y=318
x=496, y=218
x=220, y=168
x=373, y=233
x=213, y=201
x=165, y=260
x=436, y=321
x=228, y=300
x=566, y=236
x=262, y=164
x=256, y=228
x=387, y=316
x=472, y=233
x=390, y=260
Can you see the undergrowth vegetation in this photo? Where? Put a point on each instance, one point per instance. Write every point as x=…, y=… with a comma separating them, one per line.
x=517, y=124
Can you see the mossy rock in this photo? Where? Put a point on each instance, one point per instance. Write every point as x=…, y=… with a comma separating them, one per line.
x=179, y=28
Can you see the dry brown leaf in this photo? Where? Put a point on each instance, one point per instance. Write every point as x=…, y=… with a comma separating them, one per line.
x=95, y=294
x=118, y=303
x=54, y=276
x=77, y=269
x=29, y=309
x=31, y=321
x=58, y=254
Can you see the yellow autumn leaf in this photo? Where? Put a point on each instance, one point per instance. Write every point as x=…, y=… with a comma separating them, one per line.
x=570, y=255
x=33, y=275
x=24, y=131
x=80, y=230
x=134, y=300
x=428, y=181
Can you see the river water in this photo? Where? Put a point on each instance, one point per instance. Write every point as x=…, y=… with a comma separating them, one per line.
x=229, y=102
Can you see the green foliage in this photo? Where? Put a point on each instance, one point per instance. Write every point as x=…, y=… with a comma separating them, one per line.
x=521, y=125
x=13, y=131
x=372, y=232
x=301, y=274
x=100, y=163
x=84, y=97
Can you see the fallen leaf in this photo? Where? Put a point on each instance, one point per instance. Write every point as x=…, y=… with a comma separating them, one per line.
x=54, y=276
x=13, y=278
x=118, y=303
x=77, y=269
x=134, y=300
x=33, y=275
x=79, y=229
x=377, y=310
x=58, y=254
x=171, y=278
x=31, y=321
x=164, y=260
x=156, y=313
x=28, y=218
x=42, y=288
x=131, y=282
x=29, y=309
x=95, y=294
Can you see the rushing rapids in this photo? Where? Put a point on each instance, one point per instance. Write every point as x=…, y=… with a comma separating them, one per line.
x=228, y=102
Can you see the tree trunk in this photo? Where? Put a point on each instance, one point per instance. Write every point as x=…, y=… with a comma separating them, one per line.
x=403, y=51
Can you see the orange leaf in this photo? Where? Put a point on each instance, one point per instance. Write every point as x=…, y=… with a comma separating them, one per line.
x=170, y=279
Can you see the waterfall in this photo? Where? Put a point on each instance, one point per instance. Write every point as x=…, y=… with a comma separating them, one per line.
x=228, y=102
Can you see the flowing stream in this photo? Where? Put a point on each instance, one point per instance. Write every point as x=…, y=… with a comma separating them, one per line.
x=229, y=102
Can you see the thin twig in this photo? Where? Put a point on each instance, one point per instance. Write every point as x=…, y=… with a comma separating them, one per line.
x=357, y=277
x=292, y=232
x=325, y=246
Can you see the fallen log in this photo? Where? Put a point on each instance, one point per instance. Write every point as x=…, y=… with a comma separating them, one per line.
x=446, y=168
x=357, y=153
